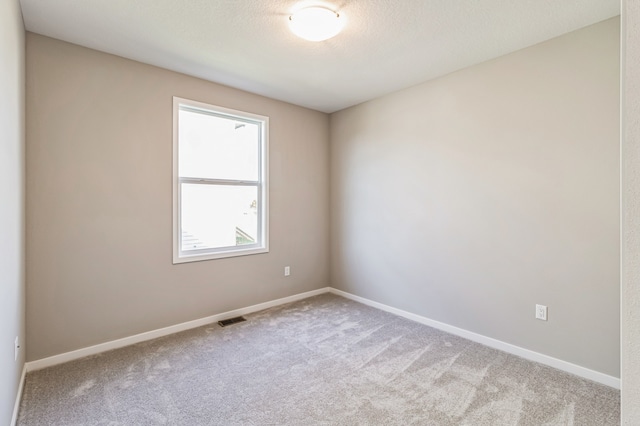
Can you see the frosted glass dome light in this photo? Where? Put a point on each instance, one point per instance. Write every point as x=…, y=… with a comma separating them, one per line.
x=316, y=23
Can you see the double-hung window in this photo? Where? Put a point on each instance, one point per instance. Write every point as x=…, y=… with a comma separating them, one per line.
x=220, y=191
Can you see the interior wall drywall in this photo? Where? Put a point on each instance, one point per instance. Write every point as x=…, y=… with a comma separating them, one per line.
x=12, y=320
x=471, y=198
x=630, y=300
x=99, y=202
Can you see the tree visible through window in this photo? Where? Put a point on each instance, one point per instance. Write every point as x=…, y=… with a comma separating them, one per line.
x=220, y=182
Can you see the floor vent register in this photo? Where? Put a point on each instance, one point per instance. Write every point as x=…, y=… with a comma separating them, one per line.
x=230, y=321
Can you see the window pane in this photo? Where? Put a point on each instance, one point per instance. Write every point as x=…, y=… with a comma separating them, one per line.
x=215, y=216
x=215, y=147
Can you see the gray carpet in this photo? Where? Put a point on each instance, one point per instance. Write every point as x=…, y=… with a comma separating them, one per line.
x=325, y=360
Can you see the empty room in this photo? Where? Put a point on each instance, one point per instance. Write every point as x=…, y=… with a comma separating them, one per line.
x=302, y=212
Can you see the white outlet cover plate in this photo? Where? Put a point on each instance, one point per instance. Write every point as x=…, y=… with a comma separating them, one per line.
x=541, y=312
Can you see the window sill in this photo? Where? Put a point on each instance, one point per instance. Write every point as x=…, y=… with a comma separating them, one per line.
x=185, y=258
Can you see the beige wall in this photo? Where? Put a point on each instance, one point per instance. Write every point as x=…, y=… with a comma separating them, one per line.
x=470, y=198
x=630, y=318
x=99, y=146
x=12, y=205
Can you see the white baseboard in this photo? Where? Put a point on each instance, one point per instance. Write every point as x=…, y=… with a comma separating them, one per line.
x=16, y=406
x=577, y=370
x=568, y=367
x=142, y=337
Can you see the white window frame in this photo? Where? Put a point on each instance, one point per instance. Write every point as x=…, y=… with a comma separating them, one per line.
x=262, y=246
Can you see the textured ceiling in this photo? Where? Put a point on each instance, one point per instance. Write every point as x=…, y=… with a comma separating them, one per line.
x=386, y=44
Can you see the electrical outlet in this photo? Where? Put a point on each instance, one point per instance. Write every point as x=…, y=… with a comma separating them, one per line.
x=541, y=312
x=287, y=271
x=17, y=348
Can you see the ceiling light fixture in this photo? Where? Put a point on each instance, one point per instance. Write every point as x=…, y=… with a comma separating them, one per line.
x=316, y=23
